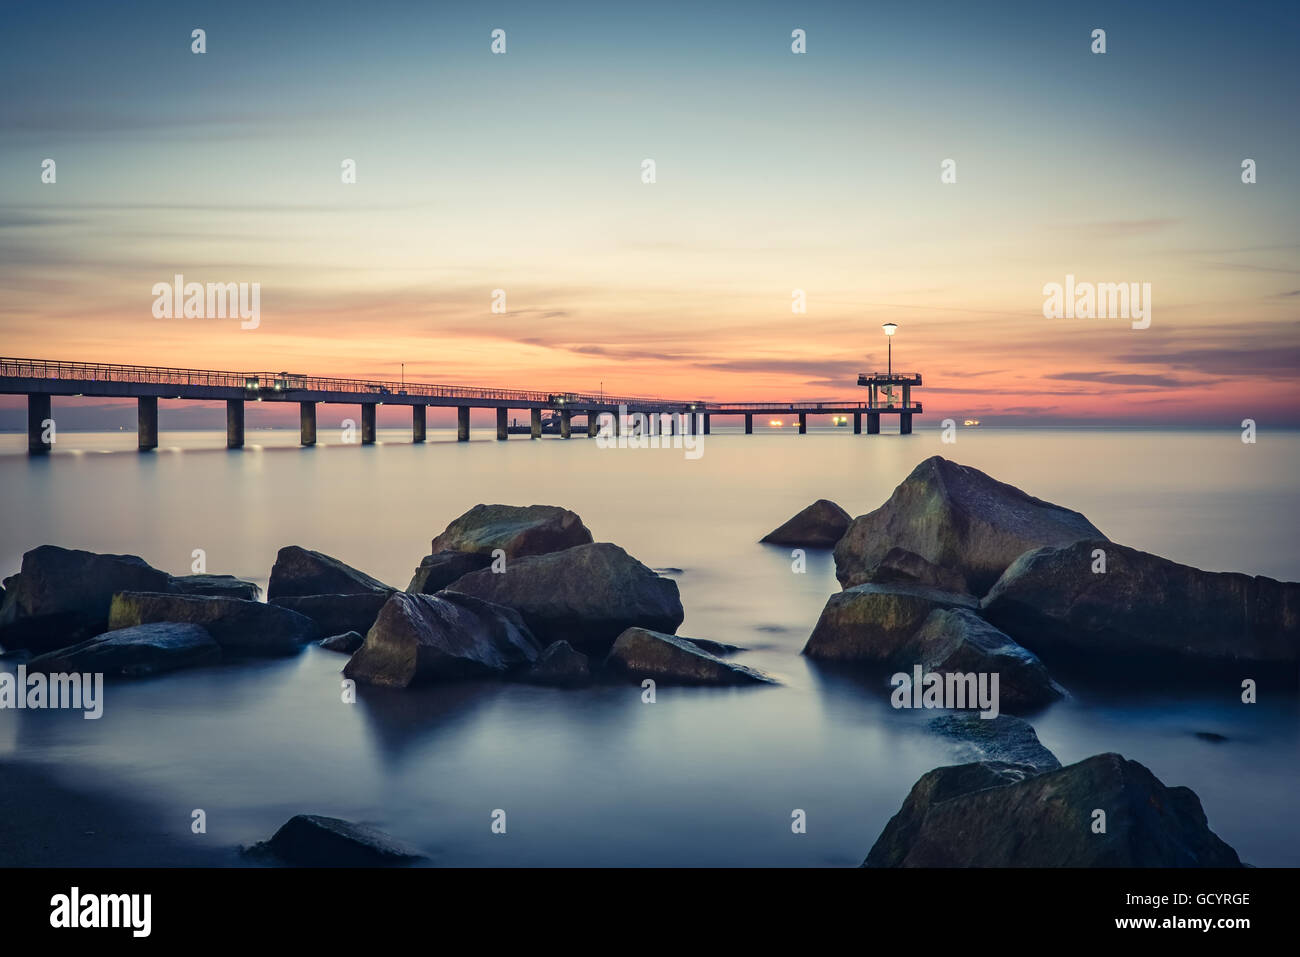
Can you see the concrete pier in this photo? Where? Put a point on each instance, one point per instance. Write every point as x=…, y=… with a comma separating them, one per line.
x=418, y=423
x=503, y=426
x=368, y=423
x=706, y=424
x=234, y=423
x=803, y=423
x=749, y=423
x=146, y=422
x=536, y=424
x=593, y=425
x=873, y=423
x=307, y=423
x=462, y=423
x=857, y=423
x=905, y=423
x=566, y=425
x=38, y=413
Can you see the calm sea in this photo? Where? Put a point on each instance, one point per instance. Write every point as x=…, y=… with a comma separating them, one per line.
x=595, y=777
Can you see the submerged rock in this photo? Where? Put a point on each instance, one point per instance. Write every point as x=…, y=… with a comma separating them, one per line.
x=966, y=817
x=348, y=642
x=419, y=638
x=223, y=586
x=135, y=652
x=61, y=596
x=440, y=569
x=301, y=571
x=587, y=595
x=560, y=665
x=955, y=517
x=516, y=530
x=312, y=840
x=1143, y=607
x=958, y=640
x=1004, y=738
x=337, y=613
x=640, y=653
x=820, y=525
x=238, y=626
x=873, y=623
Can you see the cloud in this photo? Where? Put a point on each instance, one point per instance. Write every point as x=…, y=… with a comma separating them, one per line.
x=1120, y=378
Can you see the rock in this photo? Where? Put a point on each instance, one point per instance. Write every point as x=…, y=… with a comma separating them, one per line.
x=820, y=525
x=718, y=648
x=1046, y=820
x=419, y=638
x=301, y=571
x=311, y=840
x=439, y=570
x=958, y=640
x=639, y=653
x=560, y=665
x=135, y=652
x=238, y=626
x=348, y=642
x=1143, y=608
x=957, y=518
x=61, y=596
x=587, y=595
x=1004, y=738
x=337, y=613
x=516, y=530
x=223, y=586
x=872, y=623
x=899, y=566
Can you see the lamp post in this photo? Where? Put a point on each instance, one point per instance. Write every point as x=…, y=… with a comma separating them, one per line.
x=890, y=328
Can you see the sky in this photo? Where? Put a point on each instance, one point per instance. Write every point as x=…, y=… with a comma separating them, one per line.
x=774, y=172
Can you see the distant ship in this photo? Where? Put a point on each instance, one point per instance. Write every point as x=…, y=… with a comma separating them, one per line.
x=971, y=422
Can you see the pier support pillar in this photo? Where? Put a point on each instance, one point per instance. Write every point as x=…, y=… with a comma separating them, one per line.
x=419, y=414
x=503, y=426
x=536, y=423
x=307, y=423
x=857, y=423
x=368, y=424
x=803, y=423
x=905, y=423
x=707, y=423
x=462, y=423
x=749, y=423
x=565, y=423
x=873, y=423
x=907, y=396
x=234, y=423
x=146, y=422
x=593, y=425
x=38, y=414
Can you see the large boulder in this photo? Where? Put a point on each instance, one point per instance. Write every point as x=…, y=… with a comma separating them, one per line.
x=1003, y=739
x=135, y=652
x=873, y=623
x=1143, y=607
x=61, y=596
x=421, y=638
x=238, y=626
x=346, y=643
x=639, y=653
x=957, y=518
x=958, y=640
x=820, y=525
x=898, y=566
x=967, y=817
x=223, y=586
x=560, y=665
x=336, y=613
x=312, y=840
x=587, y=595
x=516, y=530
x=440, y=569
x=301, y=571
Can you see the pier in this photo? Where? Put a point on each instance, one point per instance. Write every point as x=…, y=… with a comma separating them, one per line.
x=41, y=380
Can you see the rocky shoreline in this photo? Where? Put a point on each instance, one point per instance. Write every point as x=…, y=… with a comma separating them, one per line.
x=957, y=575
